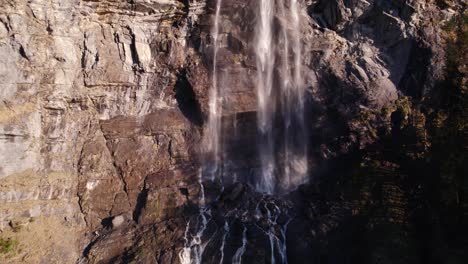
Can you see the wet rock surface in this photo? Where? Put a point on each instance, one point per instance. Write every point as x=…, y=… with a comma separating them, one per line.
x=263, y=228
x=102, y=110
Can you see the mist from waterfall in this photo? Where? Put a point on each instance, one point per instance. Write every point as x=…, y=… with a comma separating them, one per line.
x=280, y=92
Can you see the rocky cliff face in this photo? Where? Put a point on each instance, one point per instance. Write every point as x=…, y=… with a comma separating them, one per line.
x=90, y=108
x=104, y=103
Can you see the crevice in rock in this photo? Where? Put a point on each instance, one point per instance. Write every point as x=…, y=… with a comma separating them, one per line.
x=120, y=47
x=133, y=49
x=121, y=176
x=88, y=248
x=83, y=54
x=140, y=203
x=49, y=28
x=184, y=192
x=187, y=99
x=80, y=205
x=186, y=8
x=6, y=24
x=96, y=59
x=328, y=14
x=23, y=53
x=414, y=79
x=78, y=194
x=107, y=222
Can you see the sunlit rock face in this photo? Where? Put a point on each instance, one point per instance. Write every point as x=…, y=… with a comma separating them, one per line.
x=110, y=131
x=93, y=102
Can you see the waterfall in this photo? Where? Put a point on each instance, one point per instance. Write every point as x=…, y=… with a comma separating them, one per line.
x=194, y=247
x=185, y=254
x=265, y=66
x=223, y=242
x=237, y=259
x=281, y=133
x=212, y=136
x=283, y=161
x=293, y=93
x=277, y=242
x=280, y=96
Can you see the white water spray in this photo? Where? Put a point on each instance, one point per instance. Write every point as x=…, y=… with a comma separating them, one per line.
x=237, y=259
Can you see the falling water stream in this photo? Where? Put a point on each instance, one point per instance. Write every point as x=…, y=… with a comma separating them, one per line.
x=282, y=99
x=292, y=101
x=192, y=252
x=280, y=96
x=237, y=259
x=212, y=136
x=223, y=242
x=266, y=106
x=194, y=246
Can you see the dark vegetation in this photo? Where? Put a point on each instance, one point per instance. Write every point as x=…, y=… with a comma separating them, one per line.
x=410, y=187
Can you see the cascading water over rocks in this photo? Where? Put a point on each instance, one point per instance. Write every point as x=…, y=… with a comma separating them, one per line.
x=192, y=252
x=282, y=151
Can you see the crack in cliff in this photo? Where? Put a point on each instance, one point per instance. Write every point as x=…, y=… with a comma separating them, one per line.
x=80, y=174
x=137, y=66
x=187, y=99
x=22, y=52
x=120, y=174
x=78, y=194
x=141, y=202
x=83, y=55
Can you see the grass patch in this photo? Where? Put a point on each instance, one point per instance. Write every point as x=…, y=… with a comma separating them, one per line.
x=8, y=245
